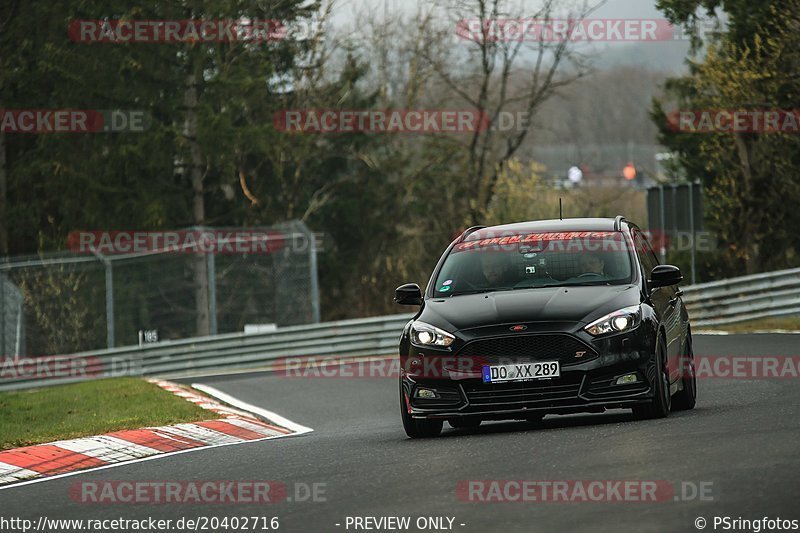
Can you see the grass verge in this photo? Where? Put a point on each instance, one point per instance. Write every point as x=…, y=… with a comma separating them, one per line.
x=90, y=408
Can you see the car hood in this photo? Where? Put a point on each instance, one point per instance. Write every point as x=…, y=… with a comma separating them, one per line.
x=551, y=304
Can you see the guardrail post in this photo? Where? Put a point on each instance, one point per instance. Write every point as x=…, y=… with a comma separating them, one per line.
x=312, y=260
x=18, y=338
x=212, y=292
x=109, y=304
x=691, y=230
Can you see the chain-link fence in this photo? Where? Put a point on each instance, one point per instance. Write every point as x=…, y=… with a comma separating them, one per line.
x=202, y=282
x=12, y=327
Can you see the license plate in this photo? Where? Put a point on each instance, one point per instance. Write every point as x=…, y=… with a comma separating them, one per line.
x=521, y=372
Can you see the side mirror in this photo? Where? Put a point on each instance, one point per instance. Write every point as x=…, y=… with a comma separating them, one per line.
x=665, y=276
x=408, y=294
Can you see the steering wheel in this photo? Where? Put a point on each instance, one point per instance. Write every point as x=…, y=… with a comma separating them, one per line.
x=527, y=283
x=589, y=274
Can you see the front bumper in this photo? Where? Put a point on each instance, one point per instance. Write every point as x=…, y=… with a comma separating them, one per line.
x=584, y=386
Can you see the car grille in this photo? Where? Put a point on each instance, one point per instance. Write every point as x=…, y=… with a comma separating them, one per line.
x=523, y=394
x=514, y=348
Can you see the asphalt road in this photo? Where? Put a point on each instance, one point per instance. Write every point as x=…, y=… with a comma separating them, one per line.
x=742, y=441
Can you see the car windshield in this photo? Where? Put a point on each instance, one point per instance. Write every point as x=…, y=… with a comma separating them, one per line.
x=535, y=260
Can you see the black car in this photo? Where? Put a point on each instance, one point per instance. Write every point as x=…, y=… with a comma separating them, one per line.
x=554, y=316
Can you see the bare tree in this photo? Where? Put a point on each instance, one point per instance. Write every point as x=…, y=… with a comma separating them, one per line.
x=501, y=74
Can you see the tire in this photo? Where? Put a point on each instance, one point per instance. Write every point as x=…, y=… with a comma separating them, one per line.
x=686, y=398
x=417, y=429
x=464, y=423
x=660, y=405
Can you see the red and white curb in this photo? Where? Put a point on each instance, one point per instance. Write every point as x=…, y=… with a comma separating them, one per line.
x=240, y=424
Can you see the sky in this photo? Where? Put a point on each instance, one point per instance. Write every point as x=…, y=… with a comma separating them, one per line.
x=663, y=56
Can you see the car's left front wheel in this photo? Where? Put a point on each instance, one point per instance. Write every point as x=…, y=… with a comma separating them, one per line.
x=659, y=406
x=686, y=398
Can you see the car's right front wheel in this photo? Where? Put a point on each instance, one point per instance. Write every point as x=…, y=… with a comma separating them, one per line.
x=416, y=428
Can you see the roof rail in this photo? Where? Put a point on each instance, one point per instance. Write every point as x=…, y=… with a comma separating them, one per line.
x=469, y=231
x=618, y=222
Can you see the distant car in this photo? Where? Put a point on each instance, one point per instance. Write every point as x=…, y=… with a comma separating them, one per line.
x=555, y=316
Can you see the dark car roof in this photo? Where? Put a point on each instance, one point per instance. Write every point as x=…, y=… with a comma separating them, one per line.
x=544, y=226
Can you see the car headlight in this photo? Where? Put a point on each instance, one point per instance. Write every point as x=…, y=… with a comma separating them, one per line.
x=424, y=334
x=622, y=320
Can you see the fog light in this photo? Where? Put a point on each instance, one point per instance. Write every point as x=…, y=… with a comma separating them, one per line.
x=426, y=394
x=627, y=378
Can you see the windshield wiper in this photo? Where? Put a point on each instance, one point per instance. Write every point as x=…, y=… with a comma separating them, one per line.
x=481, y=291
x=548, y=286
x=557, y=285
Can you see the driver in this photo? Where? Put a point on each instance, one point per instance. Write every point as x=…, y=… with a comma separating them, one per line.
x=494, y=267
x=592, y=264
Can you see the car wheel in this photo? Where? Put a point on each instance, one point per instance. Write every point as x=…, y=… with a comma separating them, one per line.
x=417, y=429
x=659, y=406
x=464, y=423
x=686, y=398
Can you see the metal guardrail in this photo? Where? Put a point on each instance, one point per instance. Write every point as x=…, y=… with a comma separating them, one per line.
x=720, y=302
x=744, y=298
x=346, y=338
